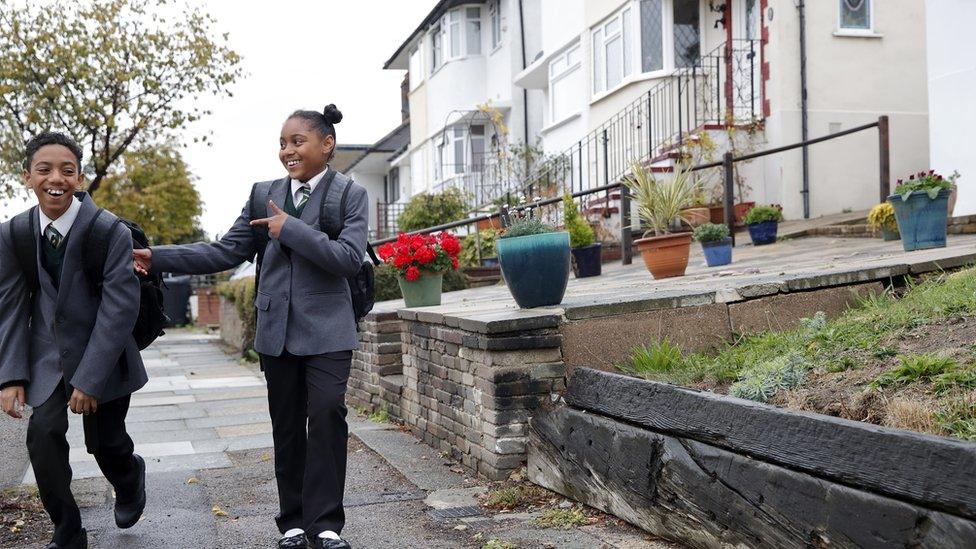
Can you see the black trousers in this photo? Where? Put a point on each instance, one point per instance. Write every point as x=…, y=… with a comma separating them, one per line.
x=105, y=438
x=306, y=397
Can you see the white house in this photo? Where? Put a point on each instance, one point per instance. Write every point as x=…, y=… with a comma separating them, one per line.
x=952, y=85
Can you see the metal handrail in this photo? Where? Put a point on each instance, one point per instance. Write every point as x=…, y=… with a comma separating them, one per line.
x=727, y=163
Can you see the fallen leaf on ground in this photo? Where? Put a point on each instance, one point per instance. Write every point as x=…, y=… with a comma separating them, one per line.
x=192, y=480
x=218, y=512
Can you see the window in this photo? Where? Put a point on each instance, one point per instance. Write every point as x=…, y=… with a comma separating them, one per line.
x=472, y=30
x=460, y=150
x=477, y=147
x=564, y=80
x=855, y=15
x=392, y=191
x=611, y=41
x=416, y=67
x=652, y=35
x=687, y=34
x=436, y=52
x=495, y=17
x=454, y=32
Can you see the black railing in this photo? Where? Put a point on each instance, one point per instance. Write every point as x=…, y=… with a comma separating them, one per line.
x=727, y=163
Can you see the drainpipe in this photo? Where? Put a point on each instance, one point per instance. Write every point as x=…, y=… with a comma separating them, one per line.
x=804, y=118
x=525, y=91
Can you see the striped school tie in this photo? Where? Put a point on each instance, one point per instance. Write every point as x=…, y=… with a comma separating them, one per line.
x=53, y=236
x=303, y=193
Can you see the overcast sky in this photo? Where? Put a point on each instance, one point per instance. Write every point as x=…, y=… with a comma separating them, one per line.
x=297, y=55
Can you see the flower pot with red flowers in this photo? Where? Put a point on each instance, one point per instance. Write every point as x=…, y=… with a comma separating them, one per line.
x=659, y=204
x=420, y=262
x=922, y=208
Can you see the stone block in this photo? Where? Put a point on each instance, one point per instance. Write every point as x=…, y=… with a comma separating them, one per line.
x=603, y=342
x=784, y=311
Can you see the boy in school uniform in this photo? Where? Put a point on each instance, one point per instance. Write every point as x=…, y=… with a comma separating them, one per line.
x=65, y=341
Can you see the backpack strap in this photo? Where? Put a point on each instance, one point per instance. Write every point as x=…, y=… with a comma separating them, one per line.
x=23, y=235
x=257, y=208
x=98, y=239
x=332, y=213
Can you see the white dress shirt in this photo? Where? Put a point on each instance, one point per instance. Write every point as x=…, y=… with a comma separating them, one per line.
x=296, y=185
x=62, y=224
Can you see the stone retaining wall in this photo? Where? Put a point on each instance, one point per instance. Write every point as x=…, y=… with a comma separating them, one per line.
x=379, y=358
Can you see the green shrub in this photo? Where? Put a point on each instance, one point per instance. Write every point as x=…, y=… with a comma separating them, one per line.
x=761, y=214
x=711, y=232
x=580, y=233
x=915, y=368
x=469, y=248
x=387, y=288
x=430, y=210
x=241, y=293
x=526, y=226
x=762, y=381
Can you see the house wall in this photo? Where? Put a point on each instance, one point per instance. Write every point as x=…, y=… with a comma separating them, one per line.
x=850, y=81
x=951, y=84
x=373, y=182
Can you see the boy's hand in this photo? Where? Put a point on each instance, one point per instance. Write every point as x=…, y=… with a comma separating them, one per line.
x=13, y=400
x=81, y=403
x=275, y=222
x=142, y=260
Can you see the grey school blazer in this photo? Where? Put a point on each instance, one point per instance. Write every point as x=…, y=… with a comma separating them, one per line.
x=303, y=299
x=71, y=333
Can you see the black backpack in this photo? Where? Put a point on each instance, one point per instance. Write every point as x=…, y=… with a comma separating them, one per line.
x=332, y=214
x=98, y=236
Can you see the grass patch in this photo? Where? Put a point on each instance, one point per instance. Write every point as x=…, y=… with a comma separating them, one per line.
x=513, y=497
x=562, y=518
x=495, y=543
x=380, y=416
x=888, y=341
x=958, y=417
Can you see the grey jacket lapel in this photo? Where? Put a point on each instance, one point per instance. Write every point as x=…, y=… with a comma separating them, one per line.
x=76, y=241
x=311, y=212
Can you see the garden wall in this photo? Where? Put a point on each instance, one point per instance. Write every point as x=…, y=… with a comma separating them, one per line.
x=712, y=470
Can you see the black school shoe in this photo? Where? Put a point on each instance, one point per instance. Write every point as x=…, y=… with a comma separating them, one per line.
x=315, y=542
x=293, y=542
x=127, y=513
x=80, y=541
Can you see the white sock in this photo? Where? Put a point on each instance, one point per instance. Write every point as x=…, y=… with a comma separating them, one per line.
x=293, y=532
x=329, y=534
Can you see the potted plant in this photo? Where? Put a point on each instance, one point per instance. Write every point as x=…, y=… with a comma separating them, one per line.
x=420, y=262
x=698, y=213
x=535, y=262
x=659, y=203
x=715, y=242
x=922, y=206
x=478, y=250
x=763, y=223
x=586, y=252
x=882, y=218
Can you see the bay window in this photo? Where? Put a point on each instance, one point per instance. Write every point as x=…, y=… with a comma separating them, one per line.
x=456, y=35
x=610, y=56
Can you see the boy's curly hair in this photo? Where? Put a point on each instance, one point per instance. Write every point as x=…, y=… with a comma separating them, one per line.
x=50, y=138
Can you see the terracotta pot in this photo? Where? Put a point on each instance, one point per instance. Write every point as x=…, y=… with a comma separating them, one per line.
x=716, y=214
x=493, y=222
x=696, y=216
x=740, y=211
x=665, y=256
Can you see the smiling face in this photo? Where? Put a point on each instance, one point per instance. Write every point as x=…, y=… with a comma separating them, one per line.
x=304, y=152
x=54, y=176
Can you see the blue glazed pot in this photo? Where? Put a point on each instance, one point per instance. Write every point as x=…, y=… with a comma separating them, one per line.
x=587, y=261
x=921, y=220
x=763, y=233
x=535, y=268
x=718, y=252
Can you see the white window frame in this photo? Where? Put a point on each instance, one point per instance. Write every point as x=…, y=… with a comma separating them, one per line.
x=600, y=40
x=437, y=59
x=494, y=25
x=565, y=72
x=855, y=30
x=417, y=74
x=466, y=22
x=453, y=27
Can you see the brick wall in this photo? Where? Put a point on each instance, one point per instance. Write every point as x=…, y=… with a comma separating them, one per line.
x=208, y=307
x=377, y=367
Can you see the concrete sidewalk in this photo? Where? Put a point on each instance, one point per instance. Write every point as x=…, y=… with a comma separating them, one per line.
x=202, y=424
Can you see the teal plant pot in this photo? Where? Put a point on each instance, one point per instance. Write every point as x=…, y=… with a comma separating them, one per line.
x=423, y=292
x=535, y=268
x=890, y=235
x=921, y=220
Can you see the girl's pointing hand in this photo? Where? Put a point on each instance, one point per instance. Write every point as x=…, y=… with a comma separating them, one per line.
x=273, y=223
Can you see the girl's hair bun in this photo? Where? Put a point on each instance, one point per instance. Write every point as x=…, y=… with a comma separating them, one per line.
x=332, y=114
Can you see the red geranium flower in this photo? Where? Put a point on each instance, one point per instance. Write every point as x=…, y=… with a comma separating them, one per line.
x=425, y=255
x=413, y=273
x=454, y=262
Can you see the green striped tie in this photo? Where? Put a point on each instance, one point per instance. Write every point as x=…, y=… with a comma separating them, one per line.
x=303, y=193
x=53, y=236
